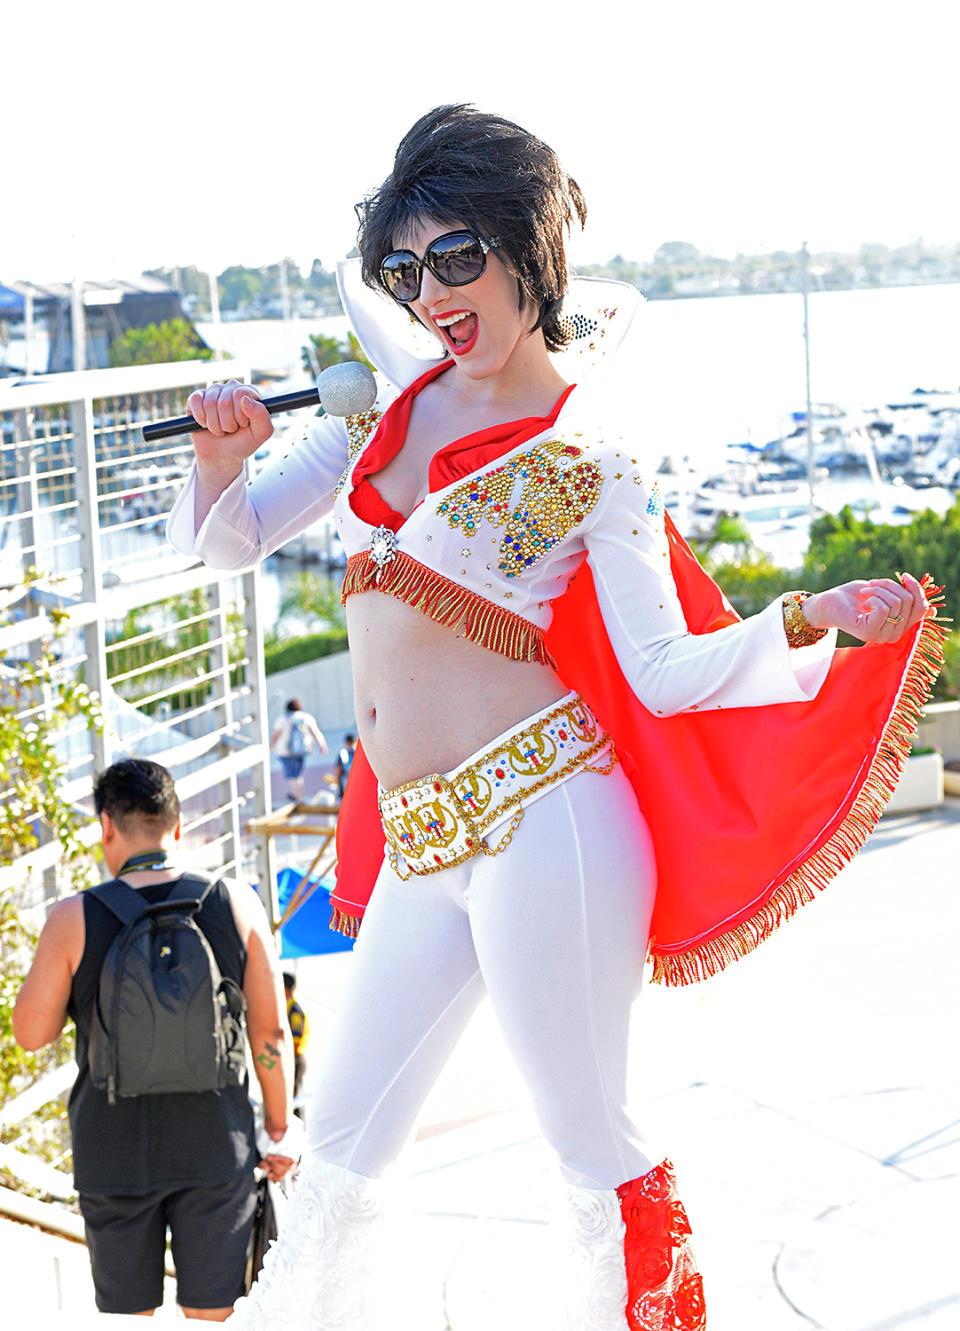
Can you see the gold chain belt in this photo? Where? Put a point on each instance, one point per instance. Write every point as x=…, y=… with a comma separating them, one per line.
x=439, y=821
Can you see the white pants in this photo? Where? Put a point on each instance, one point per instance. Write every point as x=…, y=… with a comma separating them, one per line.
x=554, y=929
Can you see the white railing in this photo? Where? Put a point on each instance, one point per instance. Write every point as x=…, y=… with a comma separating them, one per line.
x=174, y=650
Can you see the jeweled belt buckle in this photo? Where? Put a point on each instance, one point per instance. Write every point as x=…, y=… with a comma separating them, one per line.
x=383, y=548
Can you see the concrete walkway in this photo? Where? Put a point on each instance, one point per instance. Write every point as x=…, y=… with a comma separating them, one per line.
x=809, y=1098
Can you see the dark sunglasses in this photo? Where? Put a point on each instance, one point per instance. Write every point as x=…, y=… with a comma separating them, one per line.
x=455, y=258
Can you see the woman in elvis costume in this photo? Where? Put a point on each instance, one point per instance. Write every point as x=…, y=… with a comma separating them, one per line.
x=574, y=755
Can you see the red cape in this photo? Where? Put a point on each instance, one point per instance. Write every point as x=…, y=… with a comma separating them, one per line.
x=751, y=810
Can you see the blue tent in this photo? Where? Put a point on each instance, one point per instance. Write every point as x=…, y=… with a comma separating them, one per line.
x=11, y=302
x=307, y=933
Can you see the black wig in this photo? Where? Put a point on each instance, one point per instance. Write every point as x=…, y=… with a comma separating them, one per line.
x=461, y=167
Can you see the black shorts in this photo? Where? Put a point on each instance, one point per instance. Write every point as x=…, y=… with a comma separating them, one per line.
x=209, y=1235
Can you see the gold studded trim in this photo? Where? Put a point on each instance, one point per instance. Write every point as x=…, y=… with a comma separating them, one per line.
x=439, y=821
x=360, y=428
x=445, y=602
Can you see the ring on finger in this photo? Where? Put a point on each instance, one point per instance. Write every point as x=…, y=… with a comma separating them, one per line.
x=893, y=619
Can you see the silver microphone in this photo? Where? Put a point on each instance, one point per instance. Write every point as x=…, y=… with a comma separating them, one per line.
x=346, y=389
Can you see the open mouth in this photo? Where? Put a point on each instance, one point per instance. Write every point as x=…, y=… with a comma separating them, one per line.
x=458, y=330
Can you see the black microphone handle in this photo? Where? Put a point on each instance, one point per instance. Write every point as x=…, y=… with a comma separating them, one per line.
x=303, y=397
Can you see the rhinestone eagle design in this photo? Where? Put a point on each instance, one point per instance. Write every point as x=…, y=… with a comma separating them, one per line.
x=557, y=495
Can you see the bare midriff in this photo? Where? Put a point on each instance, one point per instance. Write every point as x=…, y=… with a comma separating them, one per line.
x=427, y=698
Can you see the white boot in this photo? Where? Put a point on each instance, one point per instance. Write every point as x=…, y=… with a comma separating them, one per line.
x=316, y=1276
x=595, y=1284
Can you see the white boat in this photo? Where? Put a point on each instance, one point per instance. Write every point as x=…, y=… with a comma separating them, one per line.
x=777, y=520
x=894, y=504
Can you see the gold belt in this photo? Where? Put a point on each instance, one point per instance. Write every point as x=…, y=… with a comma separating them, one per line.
x=439, y=821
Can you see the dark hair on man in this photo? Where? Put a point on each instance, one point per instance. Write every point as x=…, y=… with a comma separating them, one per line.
x=294, y=705
x=136, y=790
x=458, y=166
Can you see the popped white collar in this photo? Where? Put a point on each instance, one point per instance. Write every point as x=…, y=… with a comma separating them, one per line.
x=603, y=315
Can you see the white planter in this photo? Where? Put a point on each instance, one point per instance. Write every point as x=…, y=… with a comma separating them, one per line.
x=920, y=786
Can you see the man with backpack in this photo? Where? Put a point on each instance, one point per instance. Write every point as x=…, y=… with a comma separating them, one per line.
x=295, y=735
x=162, y=969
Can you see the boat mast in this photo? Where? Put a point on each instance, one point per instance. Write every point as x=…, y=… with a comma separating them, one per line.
x=806, y=353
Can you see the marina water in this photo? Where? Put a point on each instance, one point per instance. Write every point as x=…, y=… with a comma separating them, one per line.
x=730, y=369
x=723, y=370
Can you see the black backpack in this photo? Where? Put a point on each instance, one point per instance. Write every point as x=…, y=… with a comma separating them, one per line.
x=165, y=1019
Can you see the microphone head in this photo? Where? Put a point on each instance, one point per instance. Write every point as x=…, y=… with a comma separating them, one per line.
x=347, y=389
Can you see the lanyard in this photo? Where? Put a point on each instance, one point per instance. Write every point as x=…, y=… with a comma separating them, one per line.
x=147, y=859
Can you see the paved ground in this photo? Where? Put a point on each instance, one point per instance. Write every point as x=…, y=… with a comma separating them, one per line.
x=809, y=1097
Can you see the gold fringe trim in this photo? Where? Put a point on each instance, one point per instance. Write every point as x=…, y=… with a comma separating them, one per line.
x=706, y=959
x=344, y=924
x=473, y=616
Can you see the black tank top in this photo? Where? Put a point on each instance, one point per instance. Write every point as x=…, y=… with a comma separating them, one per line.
x=146, y=1142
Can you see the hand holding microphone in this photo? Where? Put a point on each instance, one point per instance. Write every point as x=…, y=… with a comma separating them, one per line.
x=233, y=408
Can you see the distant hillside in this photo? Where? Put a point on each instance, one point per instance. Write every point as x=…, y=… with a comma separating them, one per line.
x=677, y=269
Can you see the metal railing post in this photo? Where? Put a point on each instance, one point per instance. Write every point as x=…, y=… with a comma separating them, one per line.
x=88, y=522
x=256, y=676
x=220, y=663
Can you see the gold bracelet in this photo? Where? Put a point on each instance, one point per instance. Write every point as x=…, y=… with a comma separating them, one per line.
x=800, y=633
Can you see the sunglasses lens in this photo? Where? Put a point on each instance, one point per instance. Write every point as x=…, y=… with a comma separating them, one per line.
x=401, y=275
x=456, y=259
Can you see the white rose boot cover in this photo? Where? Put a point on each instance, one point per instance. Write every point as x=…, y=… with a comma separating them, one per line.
x=317, y=1275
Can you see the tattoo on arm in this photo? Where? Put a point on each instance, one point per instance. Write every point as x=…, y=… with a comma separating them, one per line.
x=269, y=1058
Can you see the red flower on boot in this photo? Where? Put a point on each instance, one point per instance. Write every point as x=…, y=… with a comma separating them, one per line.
x=664, y=1290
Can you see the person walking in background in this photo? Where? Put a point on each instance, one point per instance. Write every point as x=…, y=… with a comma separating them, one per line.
x=299, y=1029
x=345, y=761
x=294, y=736
x=178, y=1157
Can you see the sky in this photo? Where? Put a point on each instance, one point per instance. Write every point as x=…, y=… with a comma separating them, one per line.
x=217, y=133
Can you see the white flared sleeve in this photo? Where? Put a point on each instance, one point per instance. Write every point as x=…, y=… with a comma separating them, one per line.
x=747, y=664
x=251, y=519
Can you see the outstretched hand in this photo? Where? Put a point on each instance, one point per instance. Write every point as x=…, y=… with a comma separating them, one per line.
x=876, y=610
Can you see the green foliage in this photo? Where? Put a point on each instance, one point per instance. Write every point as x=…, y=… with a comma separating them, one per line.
x=948, y=685
x=33, y=711
x=677, y=262
x=239, y=286
x=153, y=634
x=311, y=599
x=190, y=281
x=258, y=290
x=34, y=708
x=46, y=1134
x=321, y=352
x=750, y=583
x=748, y=577
x=728, y=530
x=283, y=654
x=175, y=339
x=844, y=547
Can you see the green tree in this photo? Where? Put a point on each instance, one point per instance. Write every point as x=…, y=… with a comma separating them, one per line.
x=844, y=547
x=315, y=601
x=175, y=339
x=321, y=352
x=239, y=286
x=34, y=709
